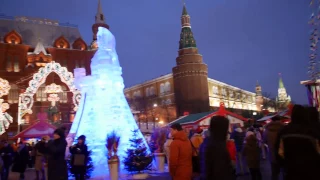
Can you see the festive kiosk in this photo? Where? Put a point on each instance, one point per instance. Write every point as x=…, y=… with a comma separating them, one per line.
x=284, y=116
x=202, y=120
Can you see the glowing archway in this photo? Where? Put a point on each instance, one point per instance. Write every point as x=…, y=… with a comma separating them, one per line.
x=26, y=98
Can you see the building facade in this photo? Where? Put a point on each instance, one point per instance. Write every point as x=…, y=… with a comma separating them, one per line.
x=27, y=44
x=188, y=89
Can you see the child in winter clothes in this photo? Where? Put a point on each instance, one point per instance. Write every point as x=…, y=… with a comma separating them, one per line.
x=251, y=152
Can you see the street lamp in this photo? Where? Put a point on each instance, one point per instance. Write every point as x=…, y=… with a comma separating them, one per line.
x=154, y=119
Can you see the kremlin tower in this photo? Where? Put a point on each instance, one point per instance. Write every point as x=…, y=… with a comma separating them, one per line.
x=99, y=22
x=190, y=73
x=259, y=97
x=283, y=97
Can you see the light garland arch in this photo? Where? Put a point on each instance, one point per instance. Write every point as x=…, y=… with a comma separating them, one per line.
x=26, y=99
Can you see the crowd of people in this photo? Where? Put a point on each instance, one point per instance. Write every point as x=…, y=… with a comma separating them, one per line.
x=219, y=153
x=47, y=157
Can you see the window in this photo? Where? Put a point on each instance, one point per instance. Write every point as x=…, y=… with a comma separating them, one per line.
x=16, y=66
x=238, y=96
x=215, y=90
x=167, y=87
x=249, y=98
x=162, y=88
x=64, y=95
x=231, y=94
x=224, y=92
x=148, y=92
x=13, y=96
x=152, y=91
x=8, y=64
x=41, y=95
x=168, y=101
x=243, y=97
x=137, y=94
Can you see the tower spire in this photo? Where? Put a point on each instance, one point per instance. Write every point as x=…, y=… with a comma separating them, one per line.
x=281, y=85
x=186, y=37
x=99, y=15
x=99, y=22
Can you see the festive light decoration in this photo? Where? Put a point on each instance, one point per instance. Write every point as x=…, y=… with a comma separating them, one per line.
x=26, y=98
x=103, y=108
x=5, y=118
x=53, y=98
x=53, y=88
x=313, y=69
x=4, y=87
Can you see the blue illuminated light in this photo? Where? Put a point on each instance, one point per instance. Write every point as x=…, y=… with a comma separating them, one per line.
x=103, y=107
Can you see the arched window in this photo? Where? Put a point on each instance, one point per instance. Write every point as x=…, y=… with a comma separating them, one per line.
x=167, y=87
x=148, y=92
x=13, y=96
x=41, y=95
x=162, y=88
x=16, y=66
x=152, y=91
x=64, y=95
x=8, y=63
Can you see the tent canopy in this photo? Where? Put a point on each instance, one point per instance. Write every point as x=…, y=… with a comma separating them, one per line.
x=203, y=119
x=36, y=130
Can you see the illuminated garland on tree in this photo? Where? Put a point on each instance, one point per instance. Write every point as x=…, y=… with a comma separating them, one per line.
x=314, y=39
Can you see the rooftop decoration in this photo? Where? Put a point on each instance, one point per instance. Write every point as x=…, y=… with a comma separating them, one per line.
x=13, y=38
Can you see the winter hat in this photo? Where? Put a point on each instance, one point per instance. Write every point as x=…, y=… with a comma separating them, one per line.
x=82, y=137
x=60, y=132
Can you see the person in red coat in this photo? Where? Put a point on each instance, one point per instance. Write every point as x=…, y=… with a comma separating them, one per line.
x=231, y=147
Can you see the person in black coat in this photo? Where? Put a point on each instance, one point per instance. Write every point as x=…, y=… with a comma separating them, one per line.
x=6, y=153
x=79, y=155
x=297, y=146
x=55, y=149
x=214, y=156
x=21, y=160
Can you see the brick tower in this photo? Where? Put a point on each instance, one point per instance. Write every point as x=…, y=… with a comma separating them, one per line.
x=190, y=74
x=99, y=22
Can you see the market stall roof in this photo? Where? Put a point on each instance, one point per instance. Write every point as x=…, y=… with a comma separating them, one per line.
x=36, y=130
x=283, y=115
x=194, y=119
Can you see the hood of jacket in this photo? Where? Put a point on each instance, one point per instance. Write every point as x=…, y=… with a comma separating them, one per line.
x=180, y=135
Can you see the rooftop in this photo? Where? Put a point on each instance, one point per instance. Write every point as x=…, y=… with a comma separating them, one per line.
x=33, y=29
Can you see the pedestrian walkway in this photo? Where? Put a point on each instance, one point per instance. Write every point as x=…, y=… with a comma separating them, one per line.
x=265, y=169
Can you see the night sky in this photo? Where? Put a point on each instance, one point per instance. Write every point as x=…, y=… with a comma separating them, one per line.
x=242, y=41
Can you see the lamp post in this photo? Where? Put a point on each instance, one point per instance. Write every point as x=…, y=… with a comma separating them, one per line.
x=154, y=119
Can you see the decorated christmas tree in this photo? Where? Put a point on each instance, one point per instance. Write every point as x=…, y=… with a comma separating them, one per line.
x=138, y=159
